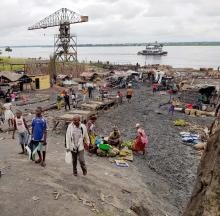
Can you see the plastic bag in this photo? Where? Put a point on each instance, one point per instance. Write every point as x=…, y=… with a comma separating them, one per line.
x=68, y=157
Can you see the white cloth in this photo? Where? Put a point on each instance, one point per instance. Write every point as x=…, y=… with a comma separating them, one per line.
x=73, y=97
x=7, y=106
x=75, y=137
x=9, y=115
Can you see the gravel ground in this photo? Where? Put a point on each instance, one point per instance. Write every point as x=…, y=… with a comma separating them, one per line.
x=164, y=177
x=167, y=156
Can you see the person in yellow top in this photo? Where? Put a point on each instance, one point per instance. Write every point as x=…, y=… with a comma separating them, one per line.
x=84, y=92
x=129, y=93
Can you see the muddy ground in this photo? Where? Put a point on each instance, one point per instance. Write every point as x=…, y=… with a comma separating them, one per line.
x=157, y=184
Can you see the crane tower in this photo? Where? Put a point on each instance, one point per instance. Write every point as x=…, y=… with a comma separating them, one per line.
x=65, y=43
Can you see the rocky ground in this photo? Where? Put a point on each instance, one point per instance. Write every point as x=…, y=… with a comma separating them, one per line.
x=157, y=184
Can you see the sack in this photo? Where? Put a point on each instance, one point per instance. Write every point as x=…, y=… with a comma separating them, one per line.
x=180, y=122
x=28, y=151
x=68, y=157
x=200, y=146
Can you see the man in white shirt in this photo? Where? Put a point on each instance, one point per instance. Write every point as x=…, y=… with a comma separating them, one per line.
x=76, y=136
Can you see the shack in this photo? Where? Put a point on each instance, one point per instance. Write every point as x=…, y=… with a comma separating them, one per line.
x=40, y=82
x=15, y=80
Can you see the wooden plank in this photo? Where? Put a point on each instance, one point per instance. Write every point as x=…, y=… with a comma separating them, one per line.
x=90, y=106
x=82, y=112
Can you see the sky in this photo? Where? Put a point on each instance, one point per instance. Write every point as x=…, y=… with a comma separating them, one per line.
x=113, y=21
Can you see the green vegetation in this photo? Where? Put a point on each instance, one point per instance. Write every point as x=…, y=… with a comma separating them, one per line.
x=5, y=63
x=8, y=49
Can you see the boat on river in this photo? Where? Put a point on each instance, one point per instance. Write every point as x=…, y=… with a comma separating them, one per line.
x=153, y=49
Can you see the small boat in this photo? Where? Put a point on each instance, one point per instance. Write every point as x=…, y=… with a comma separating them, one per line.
x=153, y=49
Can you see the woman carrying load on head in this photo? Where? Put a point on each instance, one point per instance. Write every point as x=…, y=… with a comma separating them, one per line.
x=141, y=140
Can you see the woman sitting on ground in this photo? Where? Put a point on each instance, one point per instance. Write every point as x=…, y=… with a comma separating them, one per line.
x=115, y=138
x=141, y=140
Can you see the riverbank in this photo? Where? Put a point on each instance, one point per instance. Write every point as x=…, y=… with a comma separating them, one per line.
x=157, y=184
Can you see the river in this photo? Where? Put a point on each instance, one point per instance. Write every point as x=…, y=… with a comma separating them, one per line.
x=178, y=56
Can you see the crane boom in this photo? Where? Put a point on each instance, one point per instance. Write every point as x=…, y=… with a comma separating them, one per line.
x=60, y=17
x=65, y=43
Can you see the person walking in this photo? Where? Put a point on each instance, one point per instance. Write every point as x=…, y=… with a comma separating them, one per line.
x=21, y=126
x=39, y=136
x=66, y=100
x=129, y=93
x=76, y=137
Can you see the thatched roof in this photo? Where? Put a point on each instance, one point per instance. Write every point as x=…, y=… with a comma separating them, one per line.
x=11, y=76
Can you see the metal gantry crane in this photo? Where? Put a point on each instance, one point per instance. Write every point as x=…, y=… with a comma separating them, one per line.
x=65, y=43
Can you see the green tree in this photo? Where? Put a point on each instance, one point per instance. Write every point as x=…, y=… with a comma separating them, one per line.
x=8, y=49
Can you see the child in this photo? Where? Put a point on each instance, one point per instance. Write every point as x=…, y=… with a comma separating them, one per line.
x=154, y=88
x=172, y=107
x=13, y=96
x=39, y=135
x=120, y=97
x=21, y=126
x=9, y=116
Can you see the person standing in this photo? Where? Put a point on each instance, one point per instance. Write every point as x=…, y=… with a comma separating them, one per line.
x=92, y=132
x=74, y=99
x=21, y=126
x=59, y=101
x=13, y=96
x=172, y=107
x=120, y=97
x=39, y=136
x=76, y=137
x=66, y=100
x=90, y=90
x=84, y=92
x=154, y=88
x=9, y=115
x=129, y=93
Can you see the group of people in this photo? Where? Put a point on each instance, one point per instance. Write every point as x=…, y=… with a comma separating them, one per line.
x=65, y=97
x=68, y=97
x=81, y=137
x=36, y=140
x=9, y=95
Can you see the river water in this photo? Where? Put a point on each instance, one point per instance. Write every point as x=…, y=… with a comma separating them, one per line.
x=178, y=56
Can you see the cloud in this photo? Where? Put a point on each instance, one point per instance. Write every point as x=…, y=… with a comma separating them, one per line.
x=113, y=21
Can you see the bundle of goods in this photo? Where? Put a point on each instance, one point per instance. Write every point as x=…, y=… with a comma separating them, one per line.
x=188, y=137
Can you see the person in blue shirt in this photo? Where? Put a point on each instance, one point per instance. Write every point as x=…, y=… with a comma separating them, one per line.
x=39, y=135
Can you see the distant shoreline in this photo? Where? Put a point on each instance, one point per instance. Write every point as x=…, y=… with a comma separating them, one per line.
x=124, y=45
